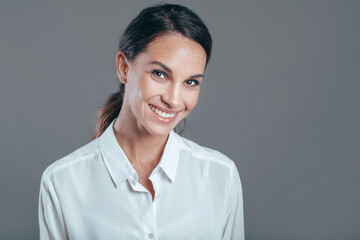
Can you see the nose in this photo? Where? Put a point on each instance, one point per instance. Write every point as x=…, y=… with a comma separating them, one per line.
x=172, y=95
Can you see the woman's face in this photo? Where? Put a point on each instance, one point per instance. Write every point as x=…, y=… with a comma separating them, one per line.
x=162, y=83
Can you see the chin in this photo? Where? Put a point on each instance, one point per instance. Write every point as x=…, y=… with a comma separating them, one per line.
x=159, y=131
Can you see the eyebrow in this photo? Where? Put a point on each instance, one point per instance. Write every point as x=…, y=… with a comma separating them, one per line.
x=170, y=71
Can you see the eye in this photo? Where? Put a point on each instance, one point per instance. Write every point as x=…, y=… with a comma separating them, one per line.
x=159, y=74
x=192, y=82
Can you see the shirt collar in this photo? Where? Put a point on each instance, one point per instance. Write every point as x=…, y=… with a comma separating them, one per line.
x=119, y=166
x=170, y=157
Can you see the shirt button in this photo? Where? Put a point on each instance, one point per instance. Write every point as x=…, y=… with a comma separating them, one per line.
x=151, y=235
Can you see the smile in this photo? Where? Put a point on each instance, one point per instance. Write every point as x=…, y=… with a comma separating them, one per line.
x=160, y=113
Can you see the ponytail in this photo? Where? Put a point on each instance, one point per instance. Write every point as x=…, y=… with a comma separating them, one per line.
x=109, y=111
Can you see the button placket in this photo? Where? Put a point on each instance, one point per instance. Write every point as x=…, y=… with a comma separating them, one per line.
x=155, y=181
x=148, y=214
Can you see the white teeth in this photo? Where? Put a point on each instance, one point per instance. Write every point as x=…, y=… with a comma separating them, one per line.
x=160, y=113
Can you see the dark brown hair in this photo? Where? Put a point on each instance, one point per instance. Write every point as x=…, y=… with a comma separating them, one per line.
x=150, y=23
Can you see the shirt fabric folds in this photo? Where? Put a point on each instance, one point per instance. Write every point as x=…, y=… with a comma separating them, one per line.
x=94, y=193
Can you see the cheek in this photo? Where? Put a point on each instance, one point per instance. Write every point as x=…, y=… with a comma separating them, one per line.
x=151, y=88
x=146, y=87
x=137, y=87
x=191, y=100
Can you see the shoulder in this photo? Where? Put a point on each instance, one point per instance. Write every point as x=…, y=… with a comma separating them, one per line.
x=216, y=171
x=74, y=161
x=207, y=156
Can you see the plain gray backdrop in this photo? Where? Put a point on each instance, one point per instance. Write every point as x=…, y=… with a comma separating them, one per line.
x=280, y=97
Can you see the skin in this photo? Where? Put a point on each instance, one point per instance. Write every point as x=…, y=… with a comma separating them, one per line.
x=167, y=75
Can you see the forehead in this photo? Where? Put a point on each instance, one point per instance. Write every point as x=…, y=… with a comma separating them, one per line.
x=176, y=52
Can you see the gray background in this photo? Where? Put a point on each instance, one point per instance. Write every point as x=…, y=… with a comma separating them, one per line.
x=281, y=98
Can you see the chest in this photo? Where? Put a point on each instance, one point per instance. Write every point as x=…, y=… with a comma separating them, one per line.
x=181, y=211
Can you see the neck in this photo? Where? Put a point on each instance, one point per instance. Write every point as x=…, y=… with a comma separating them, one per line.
x=140, y=147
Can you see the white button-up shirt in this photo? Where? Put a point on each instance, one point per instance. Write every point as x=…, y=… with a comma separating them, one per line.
x=94, y=193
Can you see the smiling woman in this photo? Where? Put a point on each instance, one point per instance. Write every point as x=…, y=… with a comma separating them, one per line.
x=161, y=82
x=138, y=179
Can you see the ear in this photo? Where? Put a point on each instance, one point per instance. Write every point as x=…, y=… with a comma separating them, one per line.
x=122, y=66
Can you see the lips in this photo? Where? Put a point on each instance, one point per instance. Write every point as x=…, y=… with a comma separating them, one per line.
x=163, y=115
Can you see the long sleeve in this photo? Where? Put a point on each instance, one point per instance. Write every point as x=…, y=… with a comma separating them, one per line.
x=234, y=228
x=51, y=223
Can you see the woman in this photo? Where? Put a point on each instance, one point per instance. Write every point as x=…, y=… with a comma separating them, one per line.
x=138, y=179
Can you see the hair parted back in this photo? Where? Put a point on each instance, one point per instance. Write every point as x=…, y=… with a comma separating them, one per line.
x=149, y=24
